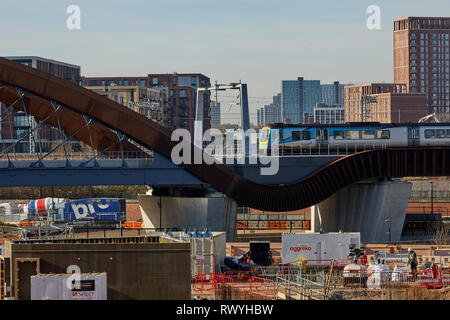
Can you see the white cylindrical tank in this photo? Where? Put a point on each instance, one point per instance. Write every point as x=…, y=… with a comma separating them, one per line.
x=43, y=207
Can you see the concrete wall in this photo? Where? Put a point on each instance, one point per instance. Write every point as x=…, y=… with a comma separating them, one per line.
x=157, y=271
x=364, y=207
x=215, y=213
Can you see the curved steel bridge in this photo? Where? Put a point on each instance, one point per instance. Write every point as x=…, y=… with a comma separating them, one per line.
x=98, y=122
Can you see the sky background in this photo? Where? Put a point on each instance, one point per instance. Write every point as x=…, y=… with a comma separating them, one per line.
x=257, y=41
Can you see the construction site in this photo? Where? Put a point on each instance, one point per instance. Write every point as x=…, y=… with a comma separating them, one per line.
x=136, y=263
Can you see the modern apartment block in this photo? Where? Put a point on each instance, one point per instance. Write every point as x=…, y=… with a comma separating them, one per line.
x=300, y=97
x=115, y=81
x=393, y=103
x=16, y=124
x=181, y=91
x=182, y=95
x=292, y=101
x=329, y=114
x=151, y=103
x=332, y=94
x=270, y=113
x=59, y=69
x=421, y=60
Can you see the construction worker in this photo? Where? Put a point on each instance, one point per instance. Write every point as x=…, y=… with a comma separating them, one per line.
x=412, y=260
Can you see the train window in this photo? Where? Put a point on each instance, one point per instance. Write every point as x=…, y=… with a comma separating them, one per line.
x=295, y=135
x=352, y=135
x=383, y=134
x=429, y=134
x=448, y=133
x=368, y=135
x=339, y=135
x=306, y=135
x=440, y=133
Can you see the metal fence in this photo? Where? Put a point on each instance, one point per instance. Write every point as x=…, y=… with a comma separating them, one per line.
x=314, y=281
x=78, y=156
x=285, y=225
x=234, y=285
x=69, y=232
x=329, y=149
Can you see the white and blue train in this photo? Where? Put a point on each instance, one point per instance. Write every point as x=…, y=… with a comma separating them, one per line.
x=355, y=135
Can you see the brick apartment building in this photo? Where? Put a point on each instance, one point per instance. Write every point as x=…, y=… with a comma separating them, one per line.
x=181, y=91
x=393, y=103
x=16, y=124
x=151, y=103
x=421, y=60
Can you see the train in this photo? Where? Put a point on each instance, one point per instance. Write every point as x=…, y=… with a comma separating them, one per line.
x=60, y=210
x=354, y=135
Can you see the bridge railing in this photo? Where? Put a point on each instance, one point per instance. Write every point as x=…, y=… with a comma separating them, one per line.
x=328, y=149
x=78, y=156
x=310, y=150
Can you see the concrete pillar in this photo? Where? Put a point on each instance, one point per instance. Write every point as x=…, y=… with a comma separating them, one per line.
x=217, y=213
x=364, y=207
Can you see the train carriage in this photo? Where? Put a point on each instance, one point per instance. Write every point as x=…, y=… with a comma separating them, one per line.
x=353, y=136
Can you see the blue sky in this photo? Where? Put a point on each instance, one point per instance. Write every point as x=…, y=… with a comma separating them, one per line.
x=259, y=42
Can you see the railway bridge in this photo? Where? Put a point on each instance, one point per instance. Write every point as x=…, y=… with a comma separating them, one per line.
x=114, y=130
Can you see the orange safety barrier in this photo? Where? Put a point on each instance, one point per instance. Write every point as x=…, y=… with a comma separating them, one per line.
x=134, y=225
x=307, y=225
x=278, y=225
x=242, y=225
x=26, y=224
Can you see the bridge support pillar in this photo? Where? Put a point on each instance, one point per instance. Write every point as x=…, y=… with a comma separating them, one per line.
x=217, y=213
x=375, y=209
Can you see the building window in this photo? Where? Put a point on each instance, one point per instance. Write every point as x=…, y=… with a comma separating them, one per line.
x=182, y=93
x=125, y=82
x=155, y=81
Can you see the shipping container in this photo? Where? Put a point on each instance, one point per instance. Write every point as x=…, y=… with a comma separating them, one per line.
x=317, y=248
x=95, y=209
x=84, y=286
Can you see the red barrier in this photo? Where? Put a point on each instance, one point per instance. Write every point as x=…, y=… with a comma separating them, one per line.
x=263, y=286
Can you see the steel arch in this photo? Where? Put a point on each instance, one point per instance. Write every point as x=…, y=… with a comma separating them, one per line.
x=320, y=185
